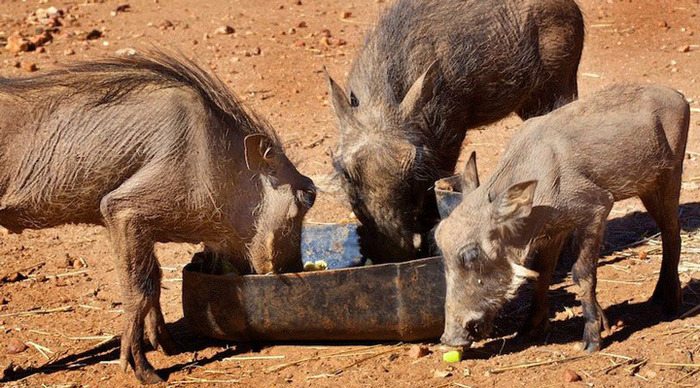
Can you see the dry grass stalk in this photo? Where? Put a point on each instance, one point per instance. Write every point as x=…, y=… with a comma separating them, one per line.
x=25, y=269
x=197, y=380
x=253, y=358
x=360, y=361
x=38, y=312
x=677, y=365
x=43, y=350
x=628, y=282
x=279, y=367
x=535, y=364
x=687, y=375
x=321, y=376
x=57, y=276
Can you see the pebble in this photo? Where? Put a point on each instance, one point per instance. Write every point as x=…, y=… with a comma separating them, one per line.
x=93, y=34
x=570, y=376
x=418, y=351
x=225, y=30
x=684, y=49
x=68, y=52
x=15, y=346
x=441, y=374
x=302, y=24
x=17, y=43
x=17, y=276
x=346, y=15
x=41, y=39
x=125, y=52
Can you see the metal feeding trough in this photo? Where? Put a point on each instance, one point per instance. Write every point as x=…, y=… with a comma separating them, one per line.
x=403, y=301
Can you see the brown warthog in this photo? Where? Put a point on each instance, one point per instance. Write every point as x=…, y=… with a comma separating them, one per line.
x=561, y=174
x=429, y=71
x=156, y=150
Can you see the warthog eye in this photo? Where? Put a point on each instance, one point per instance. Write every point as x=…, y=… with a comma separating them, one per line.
x=469, y=254
x=354, y=102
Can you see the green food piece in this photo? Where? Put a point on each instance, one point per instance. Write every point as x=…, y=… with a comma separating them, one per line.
x=309, y=266
x=321, y=265
x=452, y=356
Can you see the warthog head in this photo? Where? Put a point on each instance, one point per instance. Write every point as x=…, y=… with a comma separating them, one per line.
x=483, y=241
x=286, y=197
x=386, y=168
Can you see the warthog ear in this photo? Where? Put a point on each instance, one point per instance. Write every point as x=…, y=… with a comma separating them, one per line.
x=421, y=92
x=340, y=102
x=470, y=176
x=514, y=204
x=258, y=152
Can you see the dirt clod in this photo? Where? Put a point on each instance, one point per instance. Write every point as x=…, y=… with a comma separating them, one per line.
x=29, y=67
x=15, y=346
x=92, y=35
x=418, y=351
x=17, y=43
x=441, y=374
x=571, y=376
x=225, y=30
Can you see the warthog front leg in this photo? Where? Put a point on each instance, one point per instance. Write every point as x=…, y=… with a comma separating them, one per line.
x=545, y=262
x=140, y=280
x=584, y=272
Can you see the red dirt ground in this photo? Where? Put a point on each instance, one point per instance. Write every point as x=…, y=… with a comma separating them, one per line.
x=265, y=62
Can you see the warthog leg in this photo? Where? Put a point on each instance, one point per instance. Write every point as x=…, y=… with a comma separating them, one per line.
x=139, y=277
x=586, y=266
x=662, y=205
x=537, y=322
x=156, y=332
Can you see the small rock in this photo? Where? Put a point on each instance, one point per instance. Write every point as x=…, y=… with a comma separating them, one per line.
x=125, y=52
x=165, y=24
x=642, y=255
x=41, y=39
x=346, y=15
x=122, y=8
x=224, y=30
x=684, y=49
x=15, y=346
x=93, y=34
x=68, y=52
x=418, y=351
x=16, y=276
x=29, y=67
x=302, y=24
x=17, y=43
x=326, y=32
x=570, y=376
x=299, y=43
x=41, y=278
x=4, y=301
x=441, y=374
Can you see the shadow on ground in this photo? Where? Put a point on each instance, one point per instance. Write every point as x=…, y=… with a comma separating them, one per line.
x=622, y=233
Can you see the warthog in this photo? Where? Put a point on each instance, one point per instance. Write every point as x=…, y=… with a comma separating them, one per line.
x=561, y=174
x=429, y=71
x=156, y=150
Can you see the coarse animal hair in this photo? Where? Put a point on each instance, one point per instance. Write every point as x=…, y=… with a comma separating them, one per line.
x=114, y=78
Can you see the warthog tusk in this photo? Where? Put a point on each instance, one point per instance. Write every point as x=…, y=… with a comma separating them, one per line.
x=520, y=271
